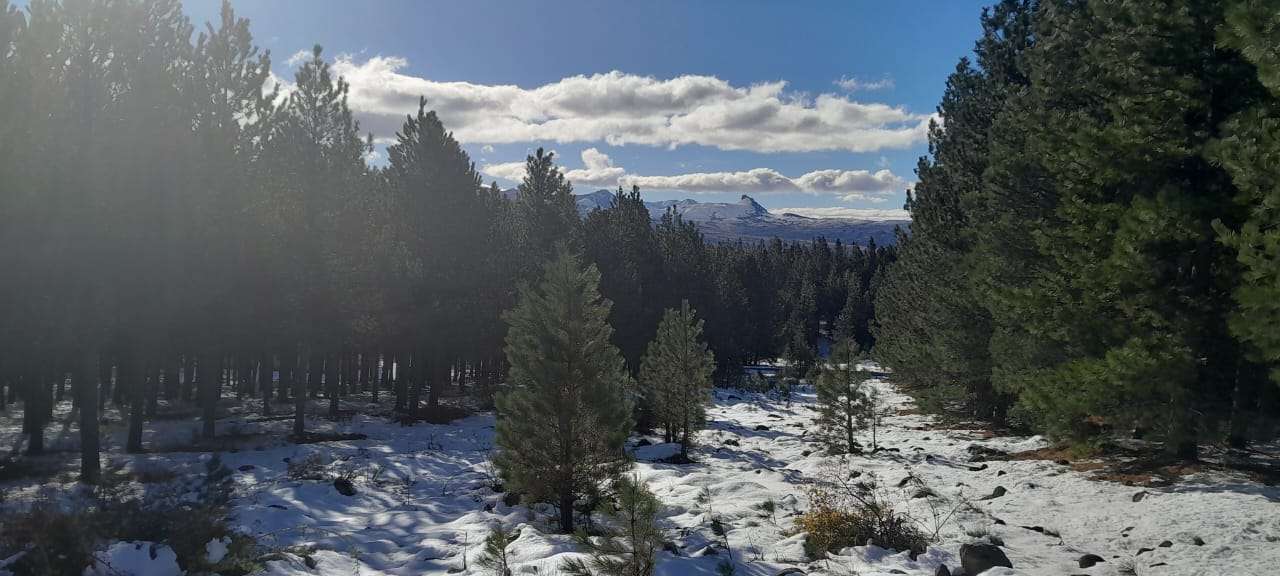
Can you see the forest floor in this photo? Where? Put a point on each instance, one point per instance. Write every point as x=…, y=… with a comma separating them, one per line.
x=424, y=499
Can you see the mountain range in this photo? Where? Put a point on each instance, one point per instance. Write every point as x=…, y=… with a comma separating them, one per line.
x=747, y=220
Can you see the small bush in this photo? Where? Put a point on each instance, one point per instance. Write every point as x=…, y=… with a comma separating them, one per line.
x=313, y=467
x=843, y=515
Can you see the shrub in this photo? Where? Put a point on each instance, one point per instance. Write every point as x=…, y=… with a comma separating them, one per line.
x=313, y=467
x=843, y=514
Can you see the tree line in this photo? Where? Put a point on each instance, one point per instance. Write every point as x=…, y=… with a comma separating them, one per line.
x=1093, y=238
x=177, y=225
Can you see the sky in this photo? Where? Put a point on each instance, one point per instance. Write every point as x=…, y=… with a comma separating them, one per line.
x=820, y=108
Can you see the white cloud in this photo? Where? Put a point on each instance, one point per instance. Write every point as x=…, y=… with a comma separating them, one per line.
x=599, y=171
x=618, y=108
x=298, y=58
x=845, y=212
x=486, y=149
x=852, y=84
x=513, y=171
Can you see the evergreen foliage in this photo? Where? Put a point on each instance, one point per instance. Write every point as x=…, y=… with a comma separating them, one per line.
x=630, y=547
x=1090, y=237
x=564, y=418
x=676, y=372
x=844, y=404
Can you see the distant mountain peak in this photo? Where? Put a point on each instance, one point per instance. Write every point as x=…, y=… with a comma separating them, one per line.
x=751, y=203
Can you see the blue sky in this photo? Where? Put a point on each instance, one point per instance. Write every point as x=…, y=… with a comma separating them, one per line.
x=706, y=100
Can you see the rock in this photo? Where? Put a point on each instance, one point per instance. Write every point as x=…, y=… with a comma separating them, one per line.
x=309, y=562
x=761, y=427
x=1139, y=496
x=942, y=571
x=790, y=571
x=529, y=569
x=246, y=468
x=731, y=442
x=998, y=521
x=276, y=506
x=978, y=468
x=1166, y=544
x=344, y=487
x=1159, y=564
x=805, y=453
x=1142, y=551
x=982, y=453
x=1062, y=462
x=998, y=492
x=896, y=571
x=1088, y=560
x=1197, y=541
x=978, y=558
x=1001, y=473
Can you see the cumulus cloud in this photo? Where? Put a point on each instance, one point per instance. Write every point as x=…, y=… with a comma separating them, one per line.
x=599, y=171
x=513, y=171
x=618, y=109
x=486, y=149
x=846, y=212
x=852, y=84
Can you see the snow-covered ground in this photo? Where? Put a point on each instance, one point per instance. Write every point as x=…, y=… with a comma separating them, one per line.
x=424, y=500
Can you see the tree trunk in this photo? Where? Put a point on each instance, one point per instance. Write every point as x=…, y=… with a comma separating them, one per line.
x=153, y=391
x=210, y=389
x=189, y=378
x=170, y=377
x=299, y=397
x=566, y=510
x=438, y=378
x=265, y=368
x=331, y=371
x=1244, y=403
x=131, y=379
x=375, y=377
x=106, y=375
x=33, y=411
x=85, y=383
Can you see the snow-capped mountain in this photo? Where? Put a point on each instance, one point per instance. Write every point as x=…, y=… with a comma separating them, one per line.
x=746, y=219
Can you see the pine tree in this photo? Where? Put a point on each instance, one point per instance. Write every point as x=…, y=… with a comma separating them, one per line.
x=621, y=242
x=676, y=371
x=493, y=556
x=842, y=398
x=547, y=213
x=563, y=421
x=441, y=220
x=1250, y=152
x=631, y=547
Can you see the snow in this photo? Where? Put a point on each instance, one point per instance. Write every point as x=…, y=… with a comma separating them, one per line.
x=216, y=550
x=135, y=559
x=425, y=501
